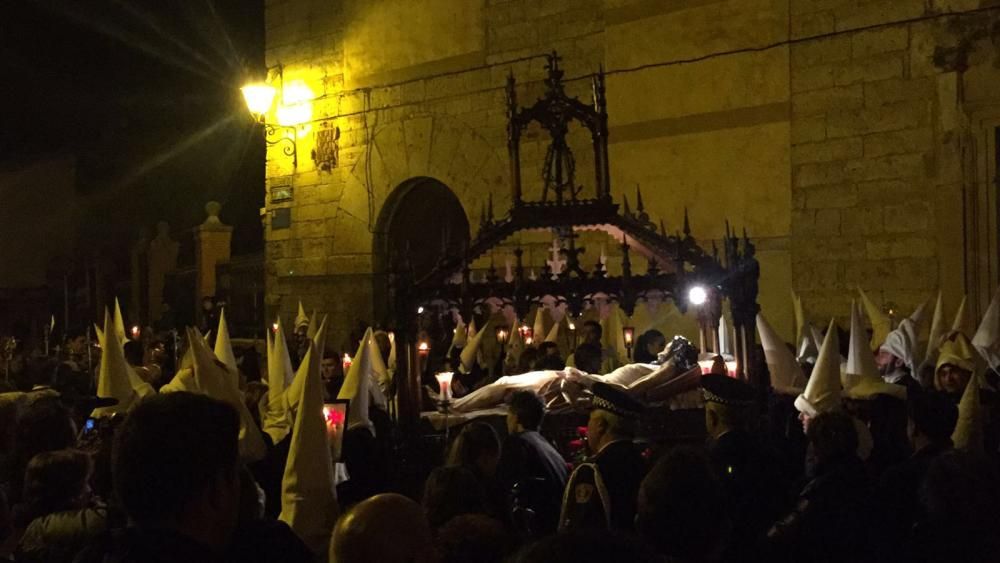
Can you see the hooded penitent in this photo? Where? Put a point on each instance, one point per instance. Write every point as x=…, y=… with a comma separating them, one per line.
x=808, y=347
x=903, y=342
x=275, y=418
x=861, y=376
x=543, y=321
x=308, y=498
x=957, y=351
x=213, y=379
x=800, y=317
x=116, y=379
x=987, y=338
x=822, y=392
x=786, y=373
x=470, y=353
x=360, y=386
x=881, y=323
x=459, y=337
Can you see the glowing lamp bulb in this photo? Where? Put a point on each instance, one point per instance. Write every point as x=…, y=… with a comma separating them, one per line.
x=697, y=295
x=420, y=310
x=259, y=97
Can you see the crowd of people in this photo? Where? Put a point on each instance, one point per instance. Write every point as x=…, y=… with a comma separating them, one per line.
x=878, y=446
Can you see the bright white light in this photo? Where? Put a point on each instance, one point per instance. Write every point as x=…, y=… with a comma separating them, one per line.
x=258, y=97
x=420, y=310
x=296, y=104
x=697, y=295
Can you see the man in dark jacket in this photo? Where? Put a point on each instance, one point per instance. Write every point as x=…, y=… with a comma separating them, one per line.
x=832, y=519
x=748, y=470
x=530, y=465
x=604, y=492
x=932, y=417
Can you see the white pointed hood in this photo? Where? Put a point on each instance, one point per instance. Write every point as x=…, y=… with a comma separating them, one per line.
x=319, y=338
x=470, y=353
x=937, y=331
x=213, y=379
x=275, y=418
x=968, y=434
x=301, y=319
x=822, y=392
x=987, y=337
x=861, y=378
x=808, y=345
x=726, y=347
x=308, y=497
x=881, y=323
x=542, y=320
x=963, y=319
x=119, y=323
x=800, y=317
x=311, y=328
x=360, y=386
x=903, y=342
x=224, y=347
x=460, y=336
x=116, y=379
x=786, y=373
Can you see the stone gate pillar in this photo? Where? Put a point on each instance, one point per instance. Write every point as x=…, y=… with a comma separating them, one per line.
x=211, y=245
x=162, y=260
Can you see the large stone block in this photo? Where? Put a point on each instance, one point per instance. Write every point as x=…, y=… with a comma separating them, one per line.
x=819, y=173
x=826, y=151
x=821, y=51
x=889, y=117
x=878, y=67
x=899, y=142
x=808, y=129
x=820, y=101
x=874, y=41
x=864, y=220
x=895, y=90
x=835, y=196
x=900, y=247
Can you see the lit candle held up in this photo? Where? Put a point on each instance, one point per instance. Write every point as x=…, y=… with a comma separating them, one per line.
x=423, y=348
x=136, y=331
x=444, y=382
x=347, y=362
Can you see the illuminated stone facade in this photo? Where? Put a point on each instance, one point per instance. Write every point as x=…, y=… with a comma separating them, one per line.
x=851, y=139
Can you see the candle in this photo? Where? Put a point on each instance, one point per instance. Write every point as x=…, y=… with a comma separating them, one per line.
x=135, y=332
x=423, y=348
x=347, y=362
x=628, y=333
x=392, y=337
x=444, y=381
x=274, y=327
x=731, y=368
x=706, y=366
x=502, y=335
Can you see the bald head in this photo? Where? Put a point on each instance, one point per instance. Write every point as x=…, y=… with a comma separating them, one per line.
x=388, y=528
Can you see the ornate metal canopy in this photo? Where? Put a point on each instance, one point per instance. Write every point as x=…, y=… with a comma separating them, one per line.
x=674, y=262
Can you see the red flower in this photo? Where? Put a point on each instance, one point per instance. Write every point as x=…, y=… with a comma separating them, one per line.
x=581, y=431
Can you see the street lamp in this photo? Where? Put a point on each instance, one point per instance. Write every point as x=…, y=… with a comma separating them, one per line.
x=259, y=97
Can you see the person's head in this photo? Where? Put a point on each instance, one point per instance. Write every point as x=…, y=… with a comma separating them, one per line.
x=548, y=349
x=649, y=345
x=76, y=341
x=472, y=538
x=56, y=481
x=328, y=366
x=526, y=361
x=728, y=404
x=525, y=411
x=888, y=363
x=477, y=447
x=592, y=333
x=832, y=436
x=615, y=416
x=387, y=528
x=587, y=358
x=951, y=378
x=175, y=465
x=44, y=425
x=931, y=418
x=584, y=546
x=450, y=491
x=551, y=362
x=682, y=508
x=133, y=352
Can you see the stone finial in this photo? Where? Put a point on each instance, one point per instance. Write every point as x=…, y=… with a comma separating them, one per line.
x=213, y=208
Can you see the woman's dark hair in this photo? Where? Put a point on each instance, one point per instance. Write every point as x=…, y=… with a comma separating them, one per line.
x=832, y=436
x=476, y=439
x=44, y=426
x=527, y=406
x=451, y=492
x=526, y=360
x=53, y=482
x=642, y=355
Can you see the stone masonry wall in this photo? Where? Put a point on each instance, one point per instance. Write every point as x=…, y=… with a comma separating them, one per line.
x=830, y=129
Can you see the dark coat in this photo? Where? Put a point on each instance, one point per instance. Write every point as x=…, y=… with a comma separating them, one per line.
x=622, y=468
x=754, y=488
x=832, y=520
x=59, y=536
x=148, y=546
x=898, y=502
x=530, y=463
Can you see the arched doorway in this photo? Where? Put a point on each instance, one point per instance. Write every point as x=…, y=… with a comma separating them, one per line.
x=423, y=218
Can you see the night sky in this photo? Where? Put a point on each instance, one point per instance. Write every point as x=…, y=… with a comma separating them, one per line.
x=145, y=94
